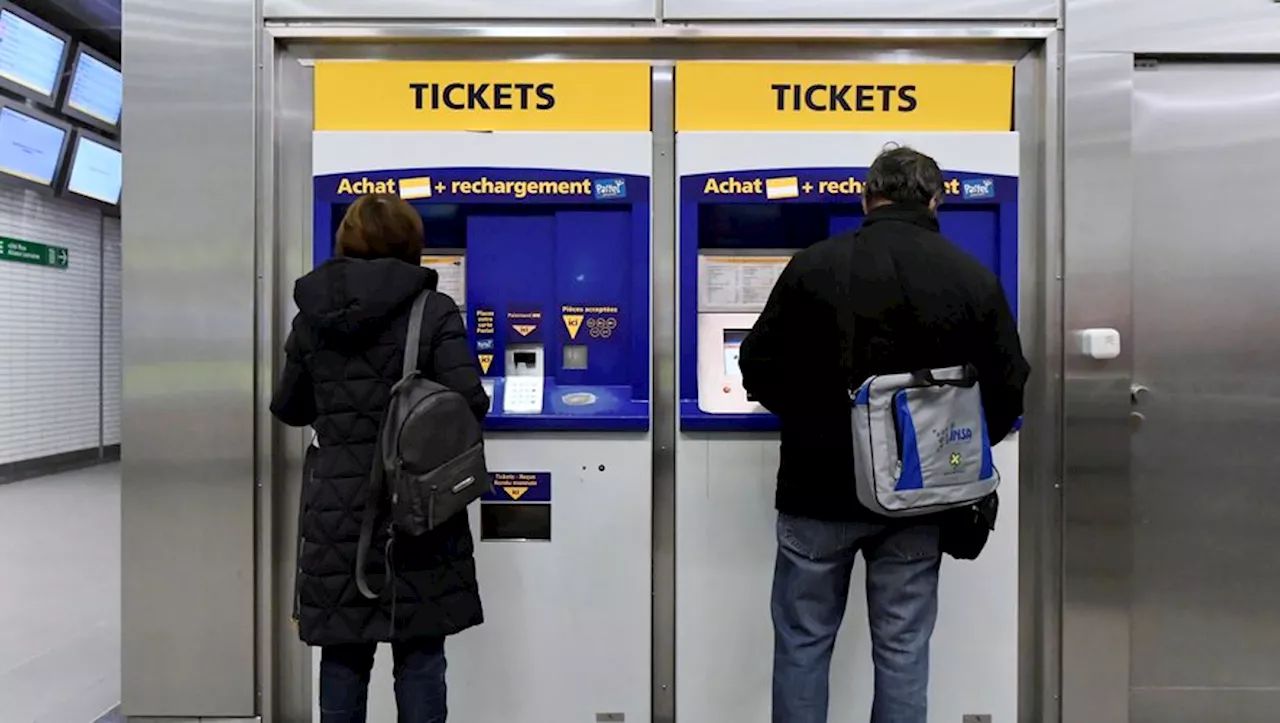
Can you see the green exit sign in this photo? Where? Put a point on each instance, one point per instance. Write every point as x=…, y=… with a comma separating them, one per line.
x=30, y=252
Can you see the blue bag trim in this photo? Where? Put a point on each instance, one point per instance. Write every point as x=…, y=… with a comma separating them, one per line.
x=911, y=477
x=988, y=469
x=863, y=396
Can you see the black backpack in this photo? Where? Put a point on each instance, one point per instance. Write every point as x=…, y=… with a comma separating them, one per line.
x=430, y=456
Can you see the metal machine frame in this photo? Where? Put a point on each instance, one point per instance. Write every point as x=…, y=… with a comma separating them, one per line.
x=283, y=228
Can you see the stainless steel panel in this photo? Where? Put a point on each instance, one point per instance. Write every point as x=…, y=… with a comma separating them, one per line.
x=1174, y=26
x=1037, y=94
x=877, y=49
x=285, y=195
x=1096, y=505
x=491, y=9
x=665, y=393
x=1215, y=706
x=977, y=35
x=1206, y=567
x=867, y=9
x=188, y=451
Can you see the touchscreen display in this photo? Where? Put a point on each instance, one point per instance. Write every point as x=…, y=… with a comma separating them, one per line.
x=732, y=345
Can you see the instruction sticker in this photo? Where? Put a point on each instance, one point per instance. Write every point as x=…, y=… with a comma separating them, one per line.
x=525, y=324
x=519, y=487
x=452, y=276
x=737, y=283
x=596, y=322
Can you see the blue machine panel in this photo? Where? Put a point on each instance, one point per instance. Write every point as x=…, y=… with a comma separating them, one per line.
x=554, y=257
x=980, y=214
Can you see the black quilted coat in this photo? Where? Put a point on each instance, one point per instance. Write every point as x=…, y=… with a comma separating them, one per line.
x=344, y=352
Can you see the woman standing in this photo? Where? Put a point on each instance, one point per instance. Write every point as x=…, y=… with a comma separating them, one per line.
x=343, y=354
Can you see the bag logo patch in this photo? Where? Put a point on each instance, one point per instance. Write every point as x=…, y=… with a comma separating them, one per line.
x=952, y=435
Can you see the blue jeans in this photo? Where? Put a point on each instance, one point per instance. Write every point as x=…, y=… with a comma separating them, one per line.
x=419, y=673
x=810, y=589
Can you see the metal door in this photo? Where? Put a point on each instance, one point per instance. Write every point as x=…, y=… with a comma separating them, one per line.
x=1206, y=464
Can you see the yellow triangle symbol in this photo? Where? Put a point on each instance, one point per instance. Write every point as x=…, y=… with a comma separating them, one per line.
x=516, y=492
x=524, y=329
x=573, y=322
x=485, y=361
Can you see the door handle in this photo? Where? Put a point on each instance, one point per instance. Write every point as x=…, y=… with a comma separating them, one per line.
x=1137, y=392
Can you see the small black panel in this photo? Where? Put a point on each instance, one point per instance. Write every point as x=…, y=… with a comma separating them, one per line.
x=515, y=521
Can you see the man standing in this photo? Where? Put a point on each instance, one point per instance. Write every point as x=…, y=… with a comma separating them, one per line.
x=892, y=297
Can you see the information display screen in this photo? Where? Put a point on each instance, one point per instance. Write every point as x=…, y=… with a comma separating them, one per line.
x=31, y=56
x=95, y=171
x=96, y=90
x=30, y=148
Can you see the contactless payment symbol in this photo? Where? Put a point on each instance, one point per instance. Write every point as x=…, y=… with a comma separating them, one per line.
x=780, y=188
x=411, y=188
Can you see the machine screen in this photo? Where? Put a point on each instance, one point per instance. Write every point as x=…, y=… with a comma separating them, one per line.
x=95, y=172
x=29, y=55
x=733, y=339
x=29, y=147
x=96, y=89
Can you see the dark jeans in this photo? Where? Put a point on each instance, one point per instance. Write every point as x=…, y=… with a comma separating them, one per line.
x=810, y=589
x=419, y=673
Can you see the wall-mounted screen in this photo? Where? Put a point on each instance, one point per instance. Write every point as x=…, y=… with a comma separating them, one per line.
x=31, y=145
x=95, y=171
x=96, y=89
x=32, y=54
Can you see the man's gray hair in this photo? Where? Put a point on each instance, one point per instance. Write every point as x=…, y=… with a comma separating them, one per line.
x=901, y=174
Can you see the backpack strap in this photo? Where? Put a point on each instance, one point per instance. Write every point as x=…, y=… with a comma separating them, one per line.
x=414, y=340
x=378, y=474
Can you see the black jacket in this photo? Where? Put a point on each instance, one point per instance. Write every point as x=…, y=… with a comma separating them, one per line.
x=894, y=296
x=343, y=355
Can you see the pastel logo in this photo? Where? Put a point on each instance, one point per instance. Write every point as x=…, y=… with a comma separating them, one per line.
x=607, y=189
x=977, y=188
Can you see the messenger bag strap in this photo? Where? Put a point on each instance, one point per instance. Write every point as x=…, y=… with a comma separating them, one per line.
x=414, y=339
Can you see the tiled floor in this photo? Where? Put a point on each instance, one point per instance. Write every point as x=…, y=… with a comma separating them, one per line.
x=60, y=597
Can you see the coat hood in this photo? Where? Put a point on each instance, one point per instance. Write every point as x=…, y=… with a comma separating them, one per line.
x=347, y=297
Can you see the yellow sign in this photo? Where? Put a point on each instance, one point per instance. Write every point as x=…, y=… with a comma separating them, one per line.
x=753, y=96
x=573, y=322
x=515, y=493
x=485, y=361
x=524, y=329
x=481, y=96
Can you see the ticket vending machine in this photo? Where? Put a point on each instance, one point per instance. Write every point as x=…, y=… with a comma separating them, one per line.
x=537, y=218
x=759, y=180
